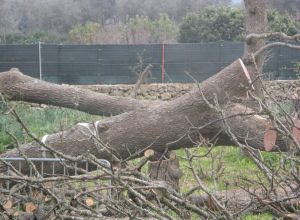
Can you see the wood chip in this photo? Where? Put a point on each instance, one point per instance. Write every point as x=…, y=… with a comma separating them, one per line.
x=30, y=207
x=270, y=137
x=89, y=201
x=8, y=205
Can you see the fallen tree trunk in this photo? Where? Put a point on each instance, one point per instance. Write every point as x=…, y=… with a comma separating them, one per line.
x=17, y=86
x=253, y=199
x=172, y=125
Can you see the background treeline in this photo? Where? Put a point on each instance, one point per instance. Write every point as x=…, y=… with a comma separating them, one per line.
x=134, y=21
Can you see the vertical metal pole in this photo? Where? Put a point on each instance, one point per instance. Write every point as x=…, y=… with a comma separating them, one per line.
x=40, y=59
x=163, y=63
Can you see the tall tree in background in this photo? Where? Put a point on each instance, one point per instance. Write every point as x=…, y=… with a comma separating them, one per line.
x=213, y=24
x=227, y=24
x=176, y=9
x=8, y=21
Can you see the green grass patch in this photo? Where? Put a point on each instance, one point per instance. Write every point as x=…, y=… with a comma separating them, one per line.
x=40, y=121
x=222, y=168
x=262, y=216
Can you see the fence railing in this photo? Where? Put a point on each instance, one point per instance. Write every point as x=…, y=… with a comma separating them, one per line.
x=113, y=64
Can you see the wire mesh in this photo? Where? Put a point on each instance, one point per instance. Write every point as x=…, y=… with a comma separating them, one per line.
x=114, y=64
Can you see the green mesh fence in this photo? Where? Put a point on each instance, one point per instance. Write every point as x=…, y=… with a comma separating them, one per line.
x=113, y=64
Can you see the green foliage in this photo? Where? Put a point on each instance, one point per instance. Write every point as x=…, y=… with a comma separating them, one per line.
x=233, y=164
x=138, y=29
x=85, y=34
x=212, y=24
x=230, y=163
x=31, y=38
x=164, y=29
x=40, y=121
x=227, y=24
x=261, y=216
x=282, y=23
x=141, y=29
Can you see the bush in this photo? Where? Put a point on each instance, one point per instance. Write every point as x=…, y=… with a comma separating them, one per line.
x=282, y=23
x=212, y=24
x=143, y=30
x=227, y=24
x=85, y=34
x=32, y=38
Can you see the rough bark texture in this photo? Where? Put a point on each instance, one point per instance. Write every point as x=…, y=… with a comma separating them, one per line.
x=18, y=86
x=257, y=199
x=166, y=169
x=163, y=125
x=255, y=22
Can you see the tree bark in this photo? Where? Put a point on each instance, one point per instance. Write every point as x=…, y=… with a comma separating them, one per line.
x=166, y=168
x=17, y=86
x=162, y=125
x=257, y=199
x=255, y=23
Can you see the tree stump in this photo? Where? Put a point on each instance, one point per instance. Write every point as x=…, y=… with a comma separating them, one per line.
x=166, y=168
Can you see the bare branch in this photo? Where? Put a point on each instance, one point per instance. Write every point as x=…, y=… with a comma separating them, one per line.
x=278, y=35
x=275, y=44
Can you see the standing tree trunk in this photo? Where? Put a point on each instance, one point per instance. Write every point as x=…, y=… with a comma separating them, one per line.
x=255, y=23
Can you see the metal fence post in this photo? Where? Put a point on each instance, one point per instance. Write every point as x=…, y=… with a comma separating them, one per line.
x=40, y=59
x=163, y=63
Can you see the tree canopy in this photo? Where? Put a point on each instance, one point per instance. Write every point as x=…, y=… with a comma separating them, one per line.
x=227, y=24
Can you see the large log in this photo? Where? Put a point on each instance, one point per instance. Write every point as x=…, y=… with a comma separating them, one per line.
x=18, y=86
x=253, y=199
x=165, y=124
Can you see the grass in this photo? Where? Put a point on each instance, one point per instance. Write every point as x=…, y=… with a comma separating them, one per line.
x=40, y=121
x=233, y=166
x=263, y=216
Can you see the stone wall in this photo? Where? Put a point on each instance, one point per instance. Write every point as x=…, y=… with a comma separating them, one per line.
x=280, y=89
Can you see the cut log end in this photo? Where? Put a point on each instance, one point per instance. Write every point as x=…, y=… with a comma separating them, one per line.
x=270, y=137
x=149, y=153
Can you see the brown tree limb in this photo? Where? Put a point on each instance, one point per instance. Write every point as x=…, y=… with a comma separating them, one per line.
x=129, y=131
x=17, y=86
x=279, y=35
x=171, y=125
x=237, y=200
x=275, y=44
x=141, y=80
